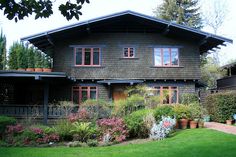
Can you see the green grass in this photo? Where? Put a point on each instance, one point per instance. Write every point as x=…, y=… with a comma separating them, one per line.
x=187, y=143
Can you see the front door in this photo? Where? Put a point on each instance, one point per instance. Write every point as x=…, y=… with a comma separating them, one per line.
x=118, y=93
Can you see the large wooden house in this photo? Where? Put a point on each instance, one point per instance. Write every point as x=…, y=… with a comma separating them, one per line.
x=99, y=58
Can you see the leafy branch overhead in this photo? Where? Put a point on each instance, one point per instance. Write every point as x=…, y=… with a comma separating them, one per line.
x=41, y=8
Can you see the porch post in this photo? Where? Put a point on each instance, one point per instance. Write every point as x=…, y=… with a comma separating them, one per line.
x=45, y=103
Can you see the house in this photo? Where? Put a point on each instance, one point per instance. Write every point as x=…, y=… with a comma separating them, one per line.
x=99, y=58
x=228, y=82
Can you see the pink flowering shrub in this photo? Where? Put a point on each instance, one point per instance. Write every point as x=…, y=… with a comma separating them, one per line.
x=81, y=115
x=115, y=127
x=14, y=129
x=37, y=131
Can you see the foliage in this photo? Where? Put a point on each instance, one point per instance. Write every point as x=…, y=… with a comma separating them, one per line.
x=149, y=120
x=161, y=131
x=210, y=72
x=31, y=57
x=182, y=111
x=221, y=106
x=135, y=123
x=114, y=127
x=82, y=131
x=185, y=12
x=25, y=56
x=188, y=98
x=96, y=108
x=4, y=122
x=197, y=112
x=92, y=143
x=3, y=52
x=63, y=129
x=131, y=104
x=17, y=10
x=163, y=110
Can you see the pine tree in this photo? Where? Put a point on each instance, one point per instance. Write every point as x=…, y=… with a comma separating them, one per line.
x=13, y=56
x=185, y=12
x=3, y=52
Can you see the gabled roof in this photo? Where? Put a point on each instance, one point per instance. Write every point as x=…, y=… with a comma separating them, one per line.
x=128, y=21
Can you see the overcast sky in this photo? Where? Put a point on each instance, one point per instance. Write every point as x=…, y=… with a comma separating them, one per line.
x=28, y=26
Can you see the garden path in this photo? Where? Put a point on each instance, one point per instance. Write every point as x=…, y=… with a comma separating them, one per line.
x=221, y=127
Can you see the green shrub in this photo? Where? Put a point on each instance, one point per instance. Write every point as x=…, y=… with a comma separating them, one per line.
x=97, y=108
x=182, y=111
x=82, y=131
x=197, y=112
x=163, y=110
x=92, y=143
x=63, y=129
x=135, y=123
x=221, y=106
x=131, y=104
x=4, y=122
x=188, y=98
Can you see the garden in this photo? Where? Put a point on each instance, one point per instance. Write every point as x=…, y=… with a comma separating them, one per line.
x=141, y=117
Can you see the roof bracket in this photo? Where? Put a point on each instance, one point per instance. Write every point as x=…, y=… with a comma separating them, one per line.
x=167, y=29
x=204, y=40
x=49, y=39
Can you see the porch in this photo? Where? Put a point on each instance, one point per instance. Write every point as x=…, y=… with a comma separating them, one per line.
x=30, y=94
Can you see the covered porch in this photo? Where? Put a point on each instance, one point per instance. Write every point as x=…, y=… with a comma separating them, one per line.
x=31, y=94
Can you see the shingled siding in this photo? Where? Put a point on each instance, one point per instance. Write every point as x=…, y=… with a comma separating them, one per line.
x=113, y=66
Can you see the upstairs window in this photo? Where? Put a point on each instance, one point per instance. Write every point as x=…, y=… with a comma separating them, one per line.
x=87, y=56
x=83, y=93
x=168, y=94
x=166, y=57
x=128, y=52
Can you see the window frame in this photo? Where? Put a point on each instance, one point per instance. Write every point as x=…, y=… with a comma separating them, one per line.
x=80, y=89
x=91, y=57
x=162, y=57
x=170, y=89
x=128, y=52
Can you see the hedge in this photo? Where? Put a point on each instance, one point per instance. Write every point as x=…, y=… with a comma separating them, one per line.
x=221, y=106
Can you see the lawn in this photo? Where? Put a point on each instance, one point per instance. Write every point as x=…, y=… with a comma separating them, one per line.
x=187, y=143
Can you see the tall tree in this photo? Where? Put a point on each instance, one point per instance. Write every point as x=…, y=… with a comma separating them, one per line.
x=3, y=52
x=185, y=12
x=18, y=9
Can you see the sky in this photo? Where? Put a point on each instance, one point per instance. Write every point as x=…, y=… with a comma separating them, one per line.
x=96, y=8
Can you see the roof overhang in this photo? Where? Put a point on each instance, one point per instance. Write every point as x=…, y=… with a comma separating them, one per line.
x=128, y=21
x=110, y=82
x=34, y=75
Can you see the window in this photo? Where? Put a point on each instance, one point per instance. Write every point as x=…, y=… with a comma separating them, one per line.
x=87, y=56
x=166, y=57
x=168, y=94
x=128, y=52
x=83, y=93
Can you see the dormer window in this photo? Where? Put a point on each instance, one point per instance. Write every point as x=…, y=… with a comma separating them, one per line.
x=166, y=57
x=87, y=56
x=128, y=52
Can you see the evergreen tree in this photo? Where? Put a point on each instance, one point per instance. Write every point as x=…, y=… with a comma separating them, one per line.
x=13, y=56
x=185, y=12
x=3, y=52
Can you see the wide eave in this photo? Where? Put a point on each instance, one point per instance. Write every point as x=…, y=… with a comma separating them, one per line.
x=128, y=21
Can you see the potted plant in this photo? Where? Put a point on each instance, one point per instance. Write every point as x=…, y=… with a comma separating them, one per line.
x=47, y=64
x=30, y=59
x=201, y=123
x=195, y=114
x=38, y=62
x=182, y=114
x=229, y=121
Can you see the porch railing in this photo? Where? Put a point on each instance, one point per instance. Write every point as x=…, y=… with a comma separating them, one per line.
x=23, y=111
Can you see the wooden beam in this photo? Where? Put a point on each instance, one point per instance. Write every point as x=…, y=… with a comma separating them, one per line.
x=45, y=103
